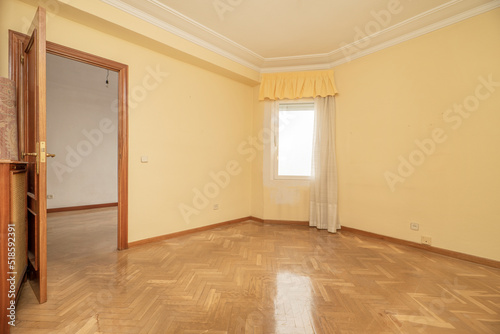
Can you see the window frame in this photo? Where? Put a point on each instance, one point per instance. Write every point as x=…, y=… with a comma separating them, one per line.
x=275, y=140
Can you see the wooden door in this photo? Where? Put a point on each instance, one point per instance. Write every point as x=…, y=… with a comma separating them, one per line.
x=34, y=151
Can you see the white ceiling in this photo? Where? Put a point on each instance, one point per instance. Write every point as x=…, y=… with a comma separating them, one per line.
x=282, y=35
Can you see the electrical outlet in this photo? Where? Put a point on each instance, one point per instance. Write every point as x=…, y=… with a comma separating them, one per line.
x=426, y=240
x=216, y=206
x=50, y=196
x=414, y=226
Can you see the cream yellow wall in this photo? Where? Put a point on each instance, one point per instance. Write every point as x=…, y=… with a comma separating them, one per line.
x=193, y=123
x=189, y=125
x=396, y=96
x=257, y=204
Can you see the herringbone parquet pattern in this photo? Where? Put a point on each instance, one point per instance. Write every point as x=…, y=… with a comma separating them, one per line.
x=253, y=278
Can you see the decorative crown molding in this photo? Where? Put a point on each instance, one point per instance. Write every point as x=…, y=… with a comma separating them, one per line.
x=180, y=25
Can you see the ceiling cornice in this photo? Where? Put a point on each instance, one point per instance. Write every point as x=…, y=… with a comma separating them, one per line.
x=212, y=41
x=178, y=24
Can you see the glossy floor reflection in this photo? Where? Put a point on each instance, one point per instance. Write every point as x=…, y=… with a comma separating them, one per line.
x=252, y=278
x=293, y=304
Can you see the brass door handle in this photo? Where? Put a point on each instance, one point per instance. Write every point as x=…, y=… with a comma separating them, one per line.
x=49, y=155
x=30, y=154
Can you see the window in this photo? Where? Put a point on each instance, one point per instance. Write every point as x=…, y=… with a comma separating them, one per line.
x=293, y=140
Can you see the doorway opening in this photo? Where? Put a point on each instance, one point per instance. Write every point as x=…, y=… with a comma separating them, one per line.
x=82, y=175
x=82, y=133
x=15, y=51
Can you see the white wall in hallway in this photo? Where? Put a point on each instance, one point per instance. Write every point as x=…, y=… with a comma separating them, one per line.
x=82, y=130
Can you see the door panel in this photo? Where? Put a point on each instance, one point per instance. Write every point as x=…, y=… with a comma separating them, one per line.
x=34, y=108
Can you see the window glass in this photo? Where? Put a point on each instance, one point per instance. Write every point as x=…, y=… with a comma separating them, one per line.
x=294, y=140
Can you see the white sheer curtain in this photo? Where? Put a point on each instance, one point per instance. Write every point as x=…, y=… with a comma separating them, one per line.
x=324, y=190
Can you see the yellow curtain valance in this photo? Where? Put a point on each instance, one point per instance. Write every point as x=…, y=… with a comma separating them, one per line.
x=296, y=85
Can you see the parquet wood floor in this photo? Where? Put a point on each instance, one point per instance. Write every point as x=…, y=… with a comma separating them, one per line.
x=252, y=278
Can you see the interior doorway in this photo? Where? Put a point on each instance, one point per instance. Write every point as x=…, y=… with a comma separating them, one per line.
x=16, y=48
x=122, y=111
x=82, y=175
x=82, y=133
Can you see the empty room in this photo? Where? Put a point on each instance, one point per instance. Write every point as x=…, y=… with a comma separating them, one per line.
x=250, y=166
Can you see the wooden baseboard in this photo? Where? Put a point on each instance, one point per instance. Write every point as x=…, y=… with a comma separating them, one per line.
x=457, y=255
x=182, y=233
x=82, y=207
x=280, y=222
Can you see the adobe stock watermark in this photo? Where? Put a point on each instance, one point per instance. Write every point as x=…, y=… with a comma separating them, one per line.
x=11, y=274
x=253, y=321
x=223, y=6
x=363, y=35
x=150, y=82
x=221, y=179
x=454, y=117
x=93, y=138
x=74, y=156
x=429, y=316
x=97, y=301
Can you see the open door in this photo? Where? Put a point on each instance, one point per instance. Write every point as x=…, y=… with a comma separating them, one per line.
x=27, y=67
x=34, y=151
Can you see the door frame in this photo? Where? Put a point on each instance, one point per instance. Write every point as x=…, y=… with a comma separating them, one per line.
x=15, y=51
